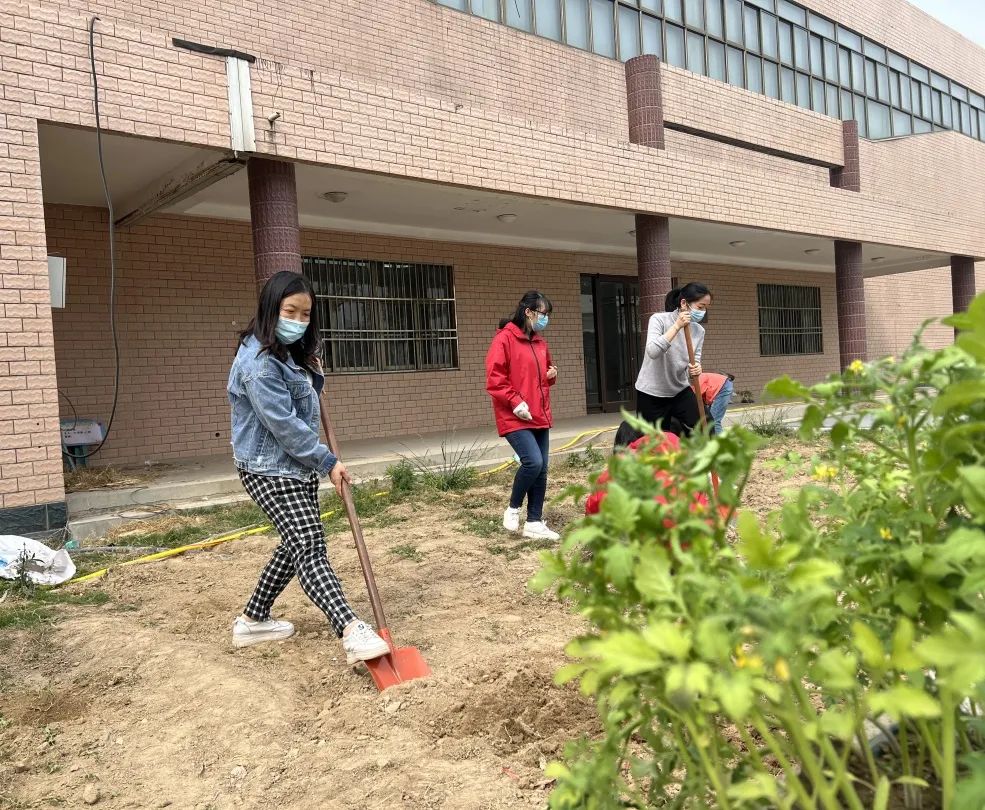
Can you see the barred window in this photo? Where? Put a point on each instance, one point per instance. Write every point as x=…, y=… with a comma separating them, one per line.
x=380, y=316
x=789, y=320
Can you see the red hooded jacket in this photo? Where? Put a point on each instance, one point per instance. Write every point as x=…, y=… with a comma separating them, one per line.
x=516, y=371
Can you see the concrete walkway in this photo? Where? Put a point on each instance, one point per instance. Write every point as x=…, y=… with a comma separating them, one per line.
x=212, y=481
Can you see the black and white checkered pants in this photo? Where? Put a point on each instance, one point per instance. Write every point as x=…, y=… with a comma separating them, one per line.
x=292, y=507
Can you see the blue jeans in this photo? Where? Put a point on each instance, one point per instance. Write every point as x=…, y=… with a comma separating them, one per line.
x=531, y=479
x=719, y=405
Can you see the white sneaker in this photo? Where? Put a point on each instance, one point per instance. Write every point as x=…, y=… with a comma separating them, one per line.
x=537, y=530
x=511, y=519
x=247, y=633
x=362, y=643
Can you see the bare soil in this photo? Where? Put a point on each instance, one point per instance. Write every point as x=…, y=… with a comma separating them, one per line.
x=142, y=702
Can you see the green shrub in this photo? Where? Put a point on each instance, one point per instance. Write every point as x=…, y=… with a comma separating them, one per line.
x=452, y=469
x=743, y=676
x=403, y=479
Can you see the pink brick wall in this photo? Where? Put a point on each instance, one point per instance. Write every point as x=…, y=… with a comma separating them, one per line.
x=895, y=306
x=186, y=286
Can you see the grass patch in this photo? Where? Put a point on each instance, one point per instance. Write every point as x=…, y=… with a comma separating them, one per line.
x=85, y=478
x=590, y=458
x=385, y=520
x=29, y=608
x=771, y=424
x=407, y=551
x=193, y=526
x=483, y=526
x=452, y=469
x=513, y=550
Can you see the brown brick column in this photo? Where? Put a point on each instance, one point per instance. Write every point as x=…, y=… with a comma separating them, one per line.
x=274, y=216
x=850, y=293
x=646, y=128
x=848, y=176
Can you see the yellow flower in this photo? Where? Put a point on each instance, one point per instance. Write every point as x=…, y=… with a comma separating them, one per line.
x=856, y=367
x=781, y=669
x=743, y=661
x=824, y=472
x=885, y=534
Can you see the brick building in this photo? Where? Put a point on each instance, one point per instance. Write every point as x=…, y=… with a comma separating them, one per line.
x=819, y=164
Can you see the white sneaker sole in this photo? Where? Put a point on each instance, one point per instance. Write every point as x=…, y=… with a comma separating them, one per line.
x=259, y=638
x=352, y=659
x=539, y=536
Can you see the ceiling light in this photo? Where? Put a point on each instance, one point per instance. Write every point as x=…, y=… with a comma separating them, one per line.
x=878, y=258
x=335, y=196
x=737, y=243
x=507, y=217
x=812, y=251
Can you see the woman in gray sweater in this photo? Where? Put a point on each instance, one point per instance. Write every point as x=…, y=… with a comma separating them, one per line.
x=663, y=387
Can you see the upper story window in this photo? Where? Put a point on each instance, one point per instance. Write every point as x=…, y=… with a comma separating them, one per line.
x=774, y=47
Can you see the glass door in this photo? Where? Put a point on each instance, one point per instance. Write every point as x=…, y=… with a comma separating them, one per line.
x=611, y=338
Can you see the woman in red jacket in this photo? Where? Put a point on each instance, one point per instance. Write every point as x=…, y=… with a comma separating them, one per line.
x=519, y=376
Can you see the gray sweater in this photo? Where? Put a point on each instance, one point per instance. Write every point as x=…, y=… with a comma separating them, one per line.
x=664, y=369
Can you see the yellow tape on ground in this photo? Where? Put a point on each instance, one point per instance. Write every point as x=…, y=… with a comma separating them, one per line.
x=239, y=534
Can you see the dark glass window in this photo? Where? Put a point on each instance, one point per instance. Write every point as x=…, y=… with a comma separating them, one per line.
x=831, y=100
x=791, y=12
x=675, y=46
x=716, y=60
x=754, y=73
x=652, y=35
x=752, y=29
x=830, y=61
x=733, y=21
x=769, y=43
x=902, y=124
x=603, y=28
x=878, y=114
x=629, y=33
x=789, y=320
x=874, y=51
x=788, y=87
x=804, y=90
x=384, y=316
x=882, y=82
x=695, y=52
x=713, y=18
x=486, y=8
x=734, y=57
x=547, y=18
x=771, y=79
x=694, y=13
x=786, y=43
x=801, y=55
x=822, y=26
x=922, y=127
x=520, y=14
x=576, y=23
x=849, y=39
x=674, y=10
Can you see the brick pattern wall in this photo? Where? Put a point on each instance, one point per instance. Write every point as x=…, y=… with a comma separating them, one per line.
x=848, y=176
x=186, y=286
x=895, y=306
x=850, y=292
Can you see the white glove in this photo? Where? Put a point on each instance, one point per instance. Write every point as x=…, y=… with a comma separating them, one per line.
x=522, y=411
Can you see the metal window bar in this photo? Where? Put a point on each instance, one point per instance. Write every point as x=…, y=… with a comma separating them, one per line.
x=789, y=320
x=379, y=316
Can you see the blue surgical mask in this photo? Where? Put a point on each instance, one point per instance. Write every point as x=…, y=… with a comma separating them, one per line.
x=289, y=331
x=697, y=315
x=541, y=323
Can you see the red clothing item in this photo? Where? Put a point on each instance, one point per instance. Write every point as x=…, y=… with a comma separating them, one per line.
x=516, y=371
x=711, y=384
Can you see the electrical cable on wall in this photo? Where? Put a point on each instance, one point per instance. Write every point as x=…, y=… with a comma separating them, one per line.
x=112, y=248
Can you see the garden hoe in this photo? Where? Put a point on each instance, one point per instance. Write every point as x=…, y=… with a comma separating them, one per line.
x=401, y=663
x=696, y=387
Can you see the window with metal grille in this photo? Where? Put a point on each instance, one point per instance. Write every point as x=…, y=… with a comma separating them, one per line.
x=789, y=320
x=380, y=316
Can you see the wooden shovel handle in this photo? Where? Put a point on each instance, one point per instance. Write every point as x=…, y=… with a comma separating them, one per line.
x=695, y=381
x=357, y=531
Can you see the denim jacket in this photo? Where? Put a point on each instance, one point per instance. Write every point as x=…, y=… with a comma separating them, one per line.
x=275, y=414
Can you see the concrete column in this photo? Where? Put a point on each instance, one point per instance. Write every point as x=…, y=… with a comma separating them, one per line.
x=850, y=295
x=848, y=176
x=644, y=105
x=274, y=216
x=962, y=283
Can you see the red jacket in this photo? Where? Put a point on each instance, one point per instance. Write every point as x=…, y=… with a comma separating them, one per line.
x=516, y=371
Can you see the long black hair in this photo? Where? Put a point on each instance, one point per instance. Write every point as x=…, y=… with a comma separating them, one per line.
x=690, y=292
x=532, y=299
x=263, y=325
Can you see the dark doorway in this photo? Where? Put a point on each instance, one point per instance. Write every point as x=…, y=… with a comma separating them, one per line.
x=611, y=341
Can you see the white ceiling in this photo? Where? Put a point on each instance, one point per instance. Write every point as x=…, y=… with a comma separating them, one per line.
x=381, y=204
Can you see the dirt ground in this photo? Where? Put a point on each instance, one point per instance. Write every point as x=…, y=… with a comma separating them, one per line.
x=142, y=702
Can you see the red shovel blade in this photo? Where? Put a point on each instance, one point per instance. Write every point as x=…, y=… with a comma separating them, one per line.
x=401, y=664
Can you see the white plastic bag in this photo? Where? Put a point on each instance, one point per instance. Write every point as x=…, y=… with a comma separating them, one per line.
x=42, y=566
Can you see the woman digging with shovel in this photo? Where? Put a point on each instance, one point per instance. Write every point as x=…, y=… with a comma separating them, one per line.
x=274, y=388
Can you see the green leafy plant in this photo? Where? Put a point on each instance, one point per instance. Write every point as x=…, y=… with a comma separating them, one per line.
x=452, y=469
x=403, y=479
x=770, y=424
x=750, y=674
